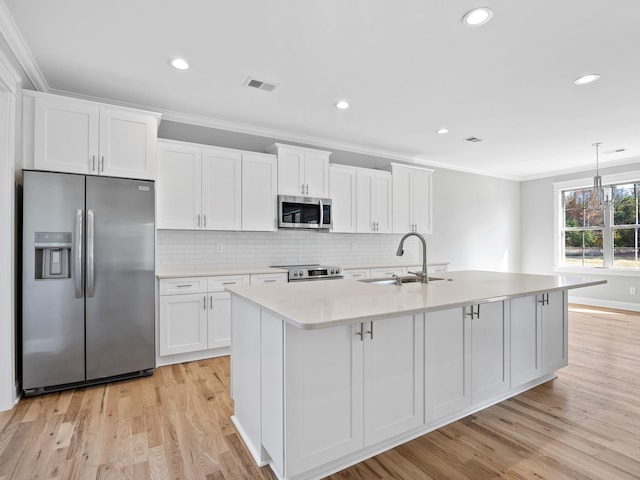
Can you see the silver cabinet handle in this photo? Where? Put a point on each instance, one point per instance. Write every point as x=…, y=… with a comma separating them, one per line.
x=78, y=258
x=93, y=163
x=204, y=220
x=102, y=162
x=302, y=188
x=370, y=332
x=229, y=283
x=211, y=302
x=321, y=214
x=183, y=286
x=545, y=299
x=474, y=314
x=204, y=302
x=270, y=281
x=361, y=332
x=91, y=274
x=198, y=220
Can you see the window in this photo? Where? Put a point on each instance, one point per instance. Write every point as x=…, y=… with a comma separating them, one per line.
x=607, y=236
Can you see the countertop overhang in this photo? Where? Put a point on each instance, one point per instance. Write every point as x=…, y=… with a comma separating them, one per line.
x=312, y=305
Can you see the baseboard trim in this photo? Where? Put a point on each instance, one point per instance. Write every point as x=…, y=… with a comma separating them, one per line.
x=595, y=302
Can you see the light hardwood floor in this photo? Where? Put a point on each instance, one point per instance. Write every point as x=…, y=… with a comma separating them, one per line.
x=175, y=425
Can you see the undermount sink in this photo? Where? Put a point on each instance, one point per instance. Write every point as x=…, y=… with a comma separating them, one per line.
x=392, y=281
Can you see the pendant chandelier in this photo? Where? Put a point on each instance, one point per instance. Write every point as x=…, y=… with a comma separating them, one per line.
x=597, y=193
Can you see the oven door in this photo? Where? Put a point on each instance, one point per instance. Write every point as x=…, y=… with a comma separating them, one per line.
x=304, y=212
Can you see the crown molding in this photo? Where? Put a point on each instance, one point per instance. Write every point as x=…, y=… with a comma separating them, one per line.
x=20, y=49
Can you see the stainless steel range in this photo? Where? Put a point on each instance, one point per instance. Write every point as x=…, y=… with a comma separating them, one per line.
x=297, y=273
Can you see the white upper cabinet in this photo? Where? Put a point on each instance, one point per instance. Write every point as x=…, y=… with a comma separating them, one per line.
x=343, y=198
x=178, y=186
x=373, y=201
x=77, y=136
x=302, y=171
x=412, y=199
x=259, y=192
x=211, y=188
x=221, y=189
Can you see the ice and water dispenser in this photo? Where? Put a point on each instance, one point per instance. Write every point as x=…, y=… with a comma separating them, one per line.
x=53, y=254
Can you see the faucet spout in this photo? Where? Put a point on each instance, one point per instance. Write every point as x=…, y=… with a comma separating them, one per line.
x=424, y=278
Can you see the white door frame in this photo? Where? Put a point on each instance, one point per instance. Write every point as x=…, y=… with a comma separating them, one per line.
x=9, y=96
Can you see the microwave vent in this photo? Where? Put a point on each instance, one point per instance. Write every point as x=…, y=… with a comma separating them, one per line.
x=260, y=85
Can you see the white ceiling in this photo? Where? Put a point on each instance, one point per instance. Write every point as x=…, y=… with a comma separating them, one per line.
x=408, y=67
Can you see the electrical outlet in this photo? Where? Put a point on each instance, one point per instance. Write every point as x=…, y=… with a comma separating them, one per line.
x=353, y=247
x=632, y=290
x=219, y=248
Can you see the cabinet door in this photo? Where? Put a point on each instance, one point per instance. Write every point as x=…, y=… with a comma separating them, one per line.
x=554, y=332
x=421, y=200
x=382, y=202
x=316, y=174
x=291, y=172
x=489, y=352
x=127, y=144
x=66, y=136
x=525, y=341
x=183, y=323
x=402, y=221
x=259, y=192
x=447, y=363
x=323, y=395
x=221, y=189
x=365, y=222
x=343, y=198
x=178, y=187
x=219, y=320
x=393, y=377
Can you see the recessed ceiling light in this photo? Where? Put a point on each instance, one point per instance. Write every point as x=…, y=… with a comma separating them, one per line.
x=477, y=16
x=589, y=78
x=179, y=63
x=341, y=105
x=442, y=130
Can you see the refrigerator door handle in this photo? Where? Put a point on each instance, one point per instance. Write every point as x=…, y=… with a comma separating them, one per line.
x=90, y=248
x=77, y=265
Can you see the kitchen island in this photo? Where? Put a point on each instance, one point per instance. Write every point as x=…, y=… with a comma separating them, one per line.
x=327, y=374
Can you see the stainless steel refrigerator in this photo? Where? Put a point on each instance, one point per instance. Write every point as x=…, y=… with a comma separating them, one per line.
x=88, y=280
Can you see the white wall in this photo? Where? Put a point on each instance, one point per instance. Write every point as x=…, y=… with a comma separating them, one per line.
x=538, y=242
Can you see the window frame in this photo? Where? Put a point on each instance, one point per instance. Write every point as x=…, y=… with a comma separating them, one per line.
x=607, y=237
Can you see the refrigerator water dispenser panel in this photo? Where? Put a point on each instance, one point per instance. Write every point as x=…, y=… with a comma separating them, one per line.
x=52, y=255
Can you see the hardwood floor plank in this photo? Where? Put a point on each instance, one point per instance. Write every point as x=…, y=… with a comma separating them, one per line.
x=175, y=425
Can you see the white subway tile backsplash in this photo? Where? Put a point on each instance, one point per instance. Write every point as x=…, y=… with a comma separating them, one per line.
x=179, y=250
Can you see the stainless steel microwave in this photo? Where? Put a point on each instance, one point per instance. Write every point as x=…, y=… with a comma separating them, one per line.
x=304, y=212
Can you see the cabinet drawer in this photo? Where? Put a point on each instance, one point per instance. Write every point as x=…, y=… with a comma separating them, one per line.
x=176, y=286
x=267, y=278
x=356, y=273
x=387, y=272
x=218, y=284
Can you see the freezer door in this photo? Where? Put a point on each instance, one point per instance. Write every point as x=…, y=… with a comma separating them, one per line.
x=120, y=278
x=52, y=302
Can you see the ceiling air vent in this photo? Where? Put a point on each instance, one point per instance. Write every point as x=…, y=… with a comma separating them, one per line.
x=260, y=85
x=473, y=139
x=617, y=150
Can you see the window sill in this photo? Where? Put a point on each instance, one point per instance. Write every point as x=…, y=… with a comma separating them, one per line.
x=600, y=271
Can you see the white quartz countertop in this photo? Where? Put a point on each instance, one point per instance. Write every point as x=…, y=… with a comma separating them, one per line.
x=213, y=273
x=321, y=304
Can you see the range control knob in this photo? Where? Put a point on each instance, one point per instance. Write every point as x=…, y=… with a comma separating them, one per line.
x=332, y=271
x=295, y=273
x=301, y=273
x=337, y=270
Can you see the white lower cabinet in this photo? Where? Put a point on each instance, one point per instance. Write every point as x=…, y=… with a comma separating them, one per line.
x=344, y=388
x=489, y=351
x=552, y=313
x=356, y=273
x=387, y=272
x=447, y=363
x=192, y=322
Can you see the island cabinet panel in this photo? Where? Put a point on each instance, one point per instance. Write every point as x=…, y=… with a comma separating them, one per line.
x=323, y=385
x=393, y=377
x=489, y=351
x=447, y=363
x=552, y=311
x=526, y=347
